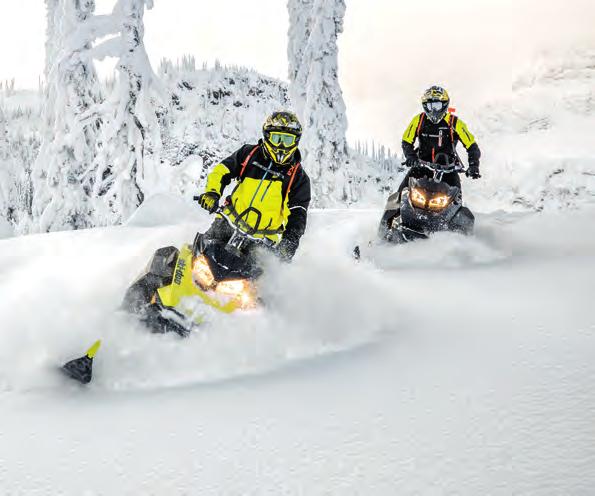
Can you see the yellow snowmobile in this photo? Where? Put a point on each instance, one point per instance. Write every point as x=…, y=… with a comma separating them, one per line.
x=171, y=294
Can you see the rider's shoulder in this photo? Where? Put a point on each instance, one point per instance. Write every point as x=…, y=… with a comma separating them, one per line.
x=248, y=147
x=301, y=174
x=246, y=151
x=451, y=115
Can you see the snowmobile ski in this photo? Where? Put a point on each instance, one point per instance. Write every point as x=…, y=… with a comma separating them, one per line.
x=81, y=369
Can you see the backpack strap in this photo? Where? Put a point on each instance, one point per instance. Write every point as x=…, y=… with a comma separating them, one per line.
x=421, y=121
x=452, y=124
x=247, y=161
x=291, y=173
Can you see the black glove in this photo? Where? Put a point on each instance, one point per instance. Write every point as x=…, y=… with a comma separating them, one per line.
x=209, y=201
x=473, y=171
x=411, y=161
x=285, y=250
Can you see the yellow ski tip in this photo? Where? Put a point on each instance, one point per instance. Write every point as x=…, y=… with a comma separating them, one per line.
x=91, y=352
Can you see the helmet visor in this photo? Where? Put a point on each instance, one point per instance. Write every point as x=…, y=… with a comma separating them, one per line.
x=435, y=110
x=285, y=140
x=434, y=106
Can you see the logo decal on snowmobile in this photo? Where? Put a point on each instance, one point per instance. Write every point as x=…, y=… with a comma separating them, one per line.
x=179, y=271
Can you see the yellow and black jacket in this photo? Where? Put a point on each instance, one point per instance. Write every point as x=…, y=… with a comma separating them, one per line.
x=440, y=138
x=268, y=200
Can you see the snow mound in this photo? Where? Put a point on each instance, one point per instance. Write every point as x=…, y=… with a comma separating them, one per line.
x=314, y=307
x=163, y=209
x=442, y=251
x=537, y=144
x=6, y=229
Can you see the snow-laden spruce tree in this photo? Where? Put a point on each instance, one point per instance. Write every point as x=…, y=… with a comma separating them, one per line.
x=99, y=154
x=127, y=162
x=61, y=197
x=316, y=94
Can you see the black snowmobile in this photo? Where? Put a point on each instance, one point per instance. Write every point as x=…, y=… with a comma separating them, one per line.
x=171, y=294
x=426, y=206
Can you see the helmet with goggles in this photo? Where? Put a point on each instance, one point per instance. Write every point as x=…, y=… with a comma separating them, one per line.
x=435, y=101
x=282, y=132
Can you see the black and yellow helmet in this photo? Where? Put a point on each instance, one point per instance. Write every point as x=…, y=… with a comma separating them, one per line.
x=282, y=132
x=435, y=102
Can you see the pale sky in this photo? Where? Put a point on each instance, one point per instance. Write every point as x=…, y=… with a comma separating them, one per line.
x=391, y=50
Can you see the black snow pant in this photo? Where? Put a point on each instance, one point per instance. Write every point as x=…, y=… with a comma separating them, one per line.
x=220, y=230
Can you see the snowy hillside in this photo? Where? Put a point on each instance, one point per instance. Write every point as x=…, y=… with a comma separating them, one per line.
x=455, y=366
x=537, y=144
x=452, y=366
x=210, y=113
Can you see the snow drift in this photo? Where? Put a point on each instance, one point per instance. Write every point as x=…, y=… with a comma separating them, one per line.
x=456, y=365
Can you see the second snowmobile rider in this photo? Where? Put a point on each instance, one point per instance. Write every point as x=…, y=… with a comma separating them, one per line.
x=272, y=194
x=438, y=132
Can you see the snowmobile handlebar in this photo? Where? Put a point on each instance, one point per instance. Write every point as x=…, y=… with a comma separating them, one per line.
x=266, y=242
x=452, y=167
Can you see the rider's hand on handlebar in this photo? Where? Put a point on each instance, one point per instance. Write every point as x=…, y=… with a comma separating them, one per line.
x=285, y=250
x=473, y=171
x=209, y=201
x=411, y=161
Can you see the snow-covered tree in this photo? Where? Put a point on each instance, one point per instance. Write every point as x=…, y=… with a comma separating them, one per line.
x=316, y=93
x=126, y=166
x=61, y=194
x=99, y=154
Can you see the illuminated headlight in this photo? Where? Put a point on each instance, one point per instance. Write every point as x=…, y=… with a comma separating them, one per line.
x=241, y=290
x=417, y=197
x=439, y=202
x=202, y=273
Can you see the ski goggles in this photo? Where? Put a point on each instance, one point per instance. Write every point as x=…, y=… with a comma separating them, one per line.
x=434, y=106
x=282, y=139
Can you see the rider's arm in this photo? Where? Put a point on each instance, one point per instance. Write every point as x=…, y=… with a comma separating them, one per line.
x=228, y=169
x=298, y=202
x=409, y=137
x=468, y=141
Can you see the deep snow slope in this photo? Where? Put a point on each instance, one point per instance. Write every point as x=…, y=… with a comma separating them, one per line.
x=452, y=366
x=537, y=142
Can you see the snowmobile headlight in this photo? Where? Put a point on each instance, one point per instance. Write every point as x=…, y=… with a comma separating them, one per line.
x=202, y=273
x=439, y=202
x=241, y=290
x=418, y=199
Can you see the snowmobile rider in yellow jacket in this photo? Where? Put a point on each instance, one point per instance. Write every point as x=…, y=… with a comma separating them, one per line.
x=272, y=192
x=438, y=132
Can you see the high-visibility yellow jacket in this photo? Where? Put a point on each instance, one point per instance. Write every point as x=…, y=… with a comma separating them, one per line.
x=268, y=200
x=440, y=138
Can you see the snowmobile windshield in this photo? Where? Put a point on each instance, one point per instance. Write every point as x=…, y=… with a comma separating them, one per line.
x=431, y=186
x=226, y=265
x=428, y=194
